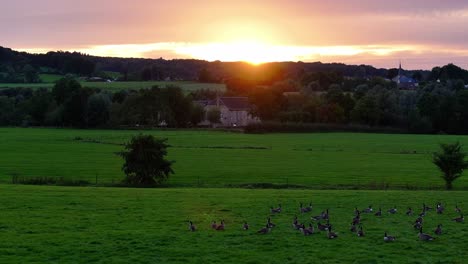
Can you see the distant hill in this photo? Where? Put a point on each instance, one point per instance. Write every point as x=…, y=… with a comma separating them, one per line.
x=20, y=67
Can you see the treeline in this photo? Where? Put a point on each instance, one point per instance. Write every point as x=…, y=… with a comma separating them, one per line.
x=22, y=67
x=371, y=105
x=14, y=65
x=435, y=107
x=69, y=104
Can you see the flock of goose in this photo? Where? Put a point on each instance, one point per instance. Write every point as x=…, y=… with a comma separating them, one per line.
x=356, y=225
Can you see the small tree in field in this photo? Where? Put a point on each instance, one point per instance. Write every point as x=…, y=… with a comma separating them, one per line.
x=451, y=162
x=145, y=164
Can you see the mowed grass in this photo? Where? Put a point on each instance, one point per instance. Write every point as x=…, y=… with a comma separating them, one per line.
x=222, y=159
x=118, y=86
x=109, y=225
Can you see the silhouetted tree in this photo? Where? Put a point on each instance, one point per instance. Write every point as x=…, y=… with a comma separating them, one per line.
x=451, y=162
x=30, y=74
x=205, y=76
x=145, y=164
x=64, y=88
x=98, y=109
x=392, y=73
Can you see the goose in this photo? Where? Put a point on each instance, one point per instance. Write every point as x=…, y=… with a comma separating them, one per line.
x=368, y=210
x=276, y=210
x=360, y=233
x=379, y=213
x=353, y=228
x=423, y=213
x=440, y=208
x=424, y=237
x=318, y=217
x=311, y=229
x=309, y=208
x=270, y=224
x=326, y=216
x=392, y=211
x=279, y=209
x=419, y=219
x=295, y=223
x=214, y=225
x=331, y=235
x=457, y=209
x=322, y=227
x=302, y=209
x=438, y=230
x=192, y=227
x=356, y=211
x=307, y=231
x=388, y=238
x=410, y=211
x=245, y=226
x=459, y=219
x=301, y=226
x=417, y=225
x=356, y=220
x=265, y=230
x=221, y=226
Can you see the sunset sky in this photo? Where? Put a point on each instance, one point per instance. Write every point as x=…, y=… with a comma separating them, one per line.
x=420, y=33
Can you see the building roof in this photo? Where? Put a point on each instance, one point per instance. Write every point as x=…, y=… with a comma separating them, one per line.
x=203, y=103
x=404, y=79
x=235, y=103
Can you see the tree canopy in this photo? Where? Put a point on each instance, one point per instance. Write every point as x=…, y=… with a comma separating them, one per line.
x=451, y=162
x=145, y=164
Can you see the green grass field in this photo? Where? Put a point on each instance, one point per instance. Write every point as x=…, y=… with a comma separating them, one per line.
x=221, y=159
x=118, y=86
x=50, y=78
x=112, y=225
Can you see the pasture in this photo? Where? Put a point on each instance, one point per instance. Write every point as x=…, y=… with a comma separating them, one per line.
x=114, y=225
x=223, y=159
x=119, y=86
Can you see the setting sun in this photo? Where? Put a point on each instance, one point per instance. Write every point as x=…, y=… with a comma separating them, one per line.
x=254, y=52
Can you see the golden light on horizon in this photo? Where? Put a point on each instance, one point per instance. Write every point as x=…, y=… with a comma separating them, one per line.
x=251, y=51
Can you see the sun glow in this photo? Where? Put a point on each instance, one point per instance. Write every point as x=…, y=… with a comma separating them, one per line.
x=257, y=52
x=251, y=51
x=254, y=52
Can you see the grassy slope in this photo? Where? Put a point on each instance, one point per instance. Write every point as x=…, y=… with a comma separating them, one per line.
x=106, y=225
x=117, y=86
x=314, y=160
x=50, y=78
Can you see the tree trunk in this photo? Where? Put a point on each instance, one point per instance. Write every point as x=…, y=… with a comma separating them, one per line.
x=448, y=185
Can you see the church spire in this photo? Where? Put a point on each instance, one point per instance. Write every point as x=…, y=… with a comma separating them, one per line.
x=400, y=71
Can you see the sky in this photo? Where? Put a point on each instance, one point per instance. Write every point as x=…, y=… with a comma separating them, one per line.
x=420, y=33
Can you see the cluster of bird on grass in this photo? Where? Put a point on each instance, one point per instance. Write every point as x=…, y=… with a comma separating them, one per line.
x=356, y=224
